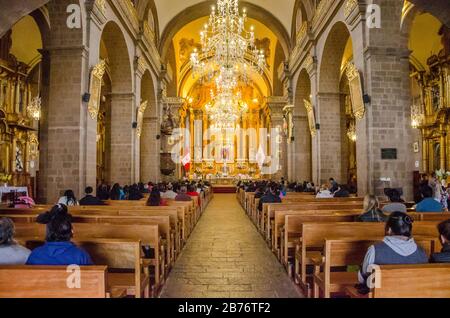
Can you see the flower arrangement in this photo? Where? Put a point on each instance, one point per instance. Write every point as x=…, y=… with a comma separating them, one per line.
x=442, y=174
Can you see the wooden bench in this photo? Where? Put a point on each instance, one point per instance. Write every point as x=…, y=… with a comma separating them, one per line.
x=270, y=209
x=147, y=234
x=126, y=267
x=408, y=281
x=310, y=246
x=51, y=282
x=289, y=231
x=345, y=252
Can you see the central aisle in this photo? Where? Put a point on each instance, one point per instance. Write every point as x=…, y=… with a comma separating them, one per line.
x=226, y=257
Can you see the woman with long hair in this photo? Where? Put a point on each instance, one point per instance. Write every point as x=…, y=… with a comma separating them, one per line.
x=372, y=212
x=68, y=199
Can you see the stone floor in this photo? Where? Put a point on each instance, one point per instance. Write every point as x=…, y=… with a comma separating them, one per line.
x=226, y=257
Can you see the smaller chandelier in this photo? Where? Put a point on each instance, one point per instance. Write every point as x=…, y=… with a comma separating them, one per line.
x=34, y=108
x=351, y=132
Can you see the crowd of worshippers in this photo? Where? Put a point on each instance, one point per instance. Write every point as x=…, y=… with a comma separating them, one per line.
x=397, y=247
x=158, y=194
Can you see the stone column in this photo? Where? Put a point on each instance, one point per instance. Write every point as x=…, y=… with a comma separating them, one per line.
x=122, y=137
x=66, y=164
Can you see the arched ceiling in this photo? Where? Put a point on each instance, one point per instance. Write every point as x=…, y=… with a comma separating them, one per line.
x=188, y=38
x=168, y=9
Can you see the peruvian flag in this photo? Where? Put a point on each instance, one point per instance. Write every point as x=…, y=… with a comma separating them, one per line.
x=186, y=161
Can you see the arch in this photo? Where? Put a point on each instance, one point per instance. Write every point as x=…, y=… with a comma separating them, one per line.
x=115, y=51
x=147, y=11
x=302, y=148
x=203, y=9
x=331, y=58
x=149, y=145
x=329, y=111
x=299, y=10
x=14, y=11
x=439, y=8
x=118, y=58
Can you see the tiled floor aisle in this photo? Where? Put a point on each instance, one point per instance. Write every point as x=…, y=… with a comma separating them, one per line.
x=226, y=257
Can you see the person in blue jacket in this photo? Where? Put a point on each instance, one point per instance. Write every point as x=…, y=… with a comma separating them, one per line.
x=58, y=248
x=428, y=204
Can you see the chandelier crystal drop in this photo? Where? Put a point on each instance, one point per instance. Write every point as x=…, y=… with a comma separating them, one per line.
x=227, y=46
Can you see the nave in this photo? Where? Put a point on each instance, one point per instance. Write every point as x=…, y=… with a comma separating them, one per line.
x=226, y=257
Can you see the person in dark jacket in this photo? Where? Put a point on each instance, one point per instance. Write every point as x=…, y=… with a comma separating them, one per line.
x=444, y=236
x=342, y=192
x=397, y=248
x=89, y=199
x=372, y=212
x=273, y=196
x=58, y=249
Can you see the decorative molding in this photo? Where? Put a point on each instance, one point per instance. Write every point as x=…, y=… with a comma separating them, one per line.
x=321, y=10
x=140, y=118
x=95, y=88
x=356, y=92
x=301, y=34
x=349, y=6
x=311, y=117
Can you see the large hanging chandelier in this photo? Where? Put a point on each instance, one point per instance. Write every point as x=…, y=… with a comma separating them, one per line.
x=228, y=48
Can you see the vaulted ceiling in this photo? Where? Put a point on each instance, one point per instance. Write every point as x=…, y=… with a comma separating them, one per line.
x=169, y=9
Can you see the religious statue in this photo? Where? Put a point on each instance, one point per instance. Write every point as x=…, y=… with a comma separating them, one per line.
x=168, y=123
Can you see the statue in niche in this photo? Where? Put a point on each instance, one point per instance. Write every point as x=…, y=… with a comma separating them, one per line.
x=168, y=123
x=264, y=44
x=186, y=48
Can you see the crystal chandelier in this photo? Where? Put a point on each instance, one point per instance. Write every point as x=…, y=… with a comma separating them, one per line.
x=228, y=48
x=417, y=115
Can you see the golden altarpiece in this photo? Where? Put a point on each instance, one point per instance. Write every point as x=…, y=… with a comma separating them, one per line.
x=224, y=154
x=431, y=110
x=19, y=115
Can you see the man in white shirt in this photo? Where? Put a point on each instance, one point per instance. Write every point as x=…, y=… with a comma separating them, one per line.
x=169, y=194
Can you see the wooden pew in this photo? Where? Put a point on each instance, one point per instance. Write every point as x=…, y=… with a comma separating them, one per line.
x=103, y=233
x=119, y=255
x=345, y=252
x=51, y=282
x=167, y=246
x=310, y=245
x=270, y=208
x=412, y=281
x=290, y=230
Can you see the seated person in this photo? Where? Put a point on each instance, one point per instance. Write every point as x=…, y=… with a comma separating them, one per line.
x=333, y=185
x=397, y=248
x=372, y=212
x=396, y=202
x=169, y=193
x=191, y=191
x=428, y=203
x=444, y=237
x=259, y=192
x=68, y=199
x=342, y=192
x=89, y=199
x=324, y=193
x=155, y=198
x=134, y=193
x=11, y=253
x=273, y=196
x=182, y=195
x=58, y=249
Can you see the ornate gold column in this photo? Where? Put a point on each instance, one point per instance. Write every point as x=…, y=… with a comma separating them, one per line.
x=443, y=158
